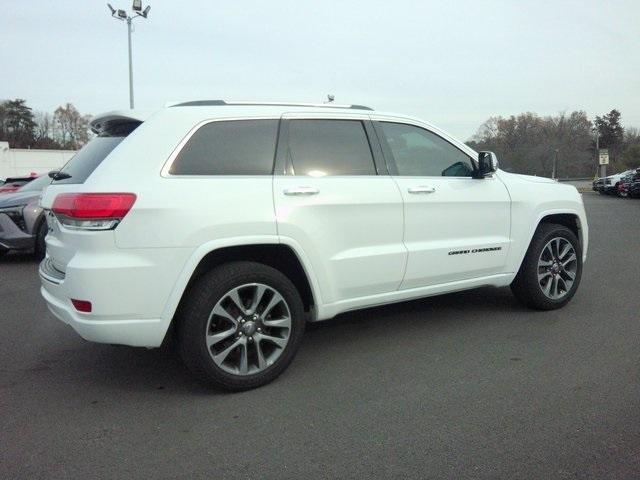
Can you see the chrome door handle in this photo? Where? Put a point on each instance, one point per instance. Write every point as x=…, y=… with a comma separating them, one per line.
x=421, y=189
x=301, y=191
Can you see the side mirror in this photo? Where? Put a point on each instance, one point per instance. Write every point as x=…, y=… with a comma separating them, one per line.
x=487, y=164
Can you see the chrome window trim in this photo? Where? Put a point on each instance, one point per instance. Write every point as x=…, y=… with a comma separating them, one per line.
x=176, y=151
x=472, y=154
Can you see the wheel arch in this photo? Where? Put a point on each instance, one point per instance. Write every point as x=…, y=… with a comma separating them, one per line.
x=568, y=218
x=268, y=251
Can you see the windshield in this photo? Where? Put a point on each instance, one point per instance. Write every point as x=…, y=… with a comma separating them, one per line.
x=36, y=185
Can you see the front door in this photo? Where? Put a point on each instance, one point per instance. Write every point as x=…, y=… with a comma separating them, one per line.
x=456, y=227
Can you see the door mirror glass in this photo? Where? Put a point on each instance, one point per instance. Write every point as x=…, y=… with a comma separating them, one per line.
x=487, y=163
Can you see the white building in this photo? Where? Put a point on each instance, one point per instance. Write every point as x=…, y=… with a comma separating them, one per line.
x=20, y=161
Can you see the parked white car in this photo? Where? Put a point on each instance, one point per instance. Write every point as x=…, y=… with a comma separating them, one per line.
x=233, y=224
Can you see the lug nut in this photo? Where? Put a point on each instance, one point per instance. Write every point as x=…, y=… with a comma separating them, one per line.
x=259, y=330
x=251, y=339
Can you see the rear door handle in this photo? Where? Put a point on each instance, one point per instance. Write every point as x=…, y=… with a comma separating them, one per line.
x=422, y=189
x=301, y=191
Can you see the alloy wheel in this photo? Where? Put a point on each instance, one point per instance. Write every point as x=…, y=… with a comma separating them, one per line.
x=557, y=268
x=248, y=329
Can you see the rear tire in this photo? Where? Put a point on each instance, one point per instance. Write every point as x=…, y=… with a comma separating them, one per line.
x=549, y=275
x=266, y=326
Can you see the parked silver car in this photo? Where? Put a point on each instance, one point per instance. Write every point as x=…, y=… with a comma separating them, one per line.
x=22, y=223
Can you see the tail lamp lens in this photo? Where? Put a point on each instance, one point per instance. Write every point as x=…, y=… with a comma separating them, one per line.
x=92, y=211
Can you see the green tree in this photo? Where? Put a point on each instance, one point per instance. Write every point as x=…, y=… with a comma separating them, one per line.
x=17, y=124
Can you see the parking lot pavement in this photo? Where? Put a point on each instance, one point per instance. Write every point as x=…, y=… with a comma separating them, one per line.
x=468, y=385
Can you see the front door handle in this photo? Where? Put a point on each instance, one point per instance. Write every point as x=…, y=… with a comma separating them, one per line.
x=301, y=191
x=422, y=189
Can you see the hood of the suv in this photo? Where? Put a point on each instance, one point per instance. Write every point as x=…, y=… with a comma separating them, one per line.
x=531, y=178
x=17, y=198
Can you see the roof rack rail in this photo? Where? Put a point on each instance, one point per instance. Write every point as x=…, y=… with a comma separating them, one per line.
x=215, y=103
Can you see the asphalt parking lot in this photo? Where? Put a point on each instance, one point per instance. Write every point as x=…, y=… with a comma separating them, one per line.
x=468, y=385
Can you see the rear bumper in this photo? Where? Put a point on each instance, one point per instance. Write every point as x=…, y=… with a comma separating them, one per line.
x=100, y=327
x=11, y=237
x=136, y=333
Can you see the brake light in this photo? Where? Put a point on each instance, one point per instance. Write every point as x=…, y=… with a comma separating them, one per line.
x=92, y=211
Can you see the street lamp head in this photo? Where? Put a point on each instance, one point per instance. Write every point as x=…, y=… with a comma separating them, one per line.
x=122, y=14
x=137, y=5
x=145, y=12
x=113, y=10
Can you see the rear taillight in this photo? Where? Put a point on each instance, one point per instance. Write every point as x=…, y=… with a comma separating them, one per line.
x=92, y=211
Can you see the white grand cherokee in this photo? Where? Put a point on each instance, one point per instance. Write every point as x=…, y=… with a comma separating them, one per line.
x=232, y=224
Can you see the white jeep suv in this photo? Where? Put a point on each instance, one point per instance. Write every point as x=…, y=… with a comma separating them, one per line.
x=232, y=224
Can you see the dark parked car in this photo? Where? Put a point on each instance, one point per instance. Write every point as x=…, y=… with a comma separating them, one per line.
x=598, y=185
x=633, y=188
x=22, y=222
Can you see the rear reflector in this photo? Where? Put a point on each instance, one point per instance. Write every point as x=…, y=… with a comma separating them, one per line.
x=93, y=205
x=82, y=305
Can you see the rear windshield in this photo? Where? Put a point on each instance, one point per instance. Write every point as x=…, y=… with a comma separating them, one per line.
x=83, y=163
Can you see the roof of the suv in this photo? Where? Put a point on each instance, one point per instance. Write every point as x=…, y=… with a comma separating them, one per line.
x=222, y=108
x=221, y=103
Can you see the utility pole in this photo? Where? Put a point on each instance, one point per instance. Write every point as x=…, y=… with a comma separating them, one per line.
x=555, y=165
x=123, y=15
x=130, y=64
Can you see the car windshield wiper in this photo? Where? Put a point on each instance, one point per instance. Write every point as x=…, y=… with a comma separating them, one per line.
x=58, y=175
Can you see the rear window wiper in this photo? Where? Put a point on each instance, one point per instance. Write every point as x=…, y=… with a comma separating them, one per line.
x=58, y=175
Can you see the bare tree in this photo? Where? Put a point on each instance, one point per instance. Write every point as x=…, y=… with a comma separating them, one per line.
x=72, y=127
x=528, y=143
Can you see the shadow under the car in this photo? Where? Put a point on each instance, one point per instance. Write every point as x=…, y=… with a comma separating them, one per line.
x=18, y=257
x=139, y=369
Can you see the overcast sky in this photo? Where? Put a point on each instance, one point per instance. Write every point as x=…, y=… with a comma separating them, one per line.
x=453, y=63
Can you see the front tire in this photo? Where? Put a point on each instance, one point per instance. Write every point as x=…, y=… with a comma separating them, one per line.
x=551, y=270
x=240, y=326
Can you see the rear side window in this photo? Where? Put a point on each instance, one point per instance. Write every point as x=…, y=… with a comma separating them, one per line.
x=83, y=163
x=329, y=147
x=239, y=147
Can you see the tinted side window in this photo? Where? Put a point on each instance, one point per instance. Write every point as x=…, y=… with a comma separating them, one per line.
x=239, y=147
x=418, y=152
x=329, y=147
x=83, y=163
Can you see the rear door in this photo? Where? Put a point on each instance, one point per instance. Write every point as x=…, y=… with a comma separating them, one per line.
x=337, y=204
x=456, y=227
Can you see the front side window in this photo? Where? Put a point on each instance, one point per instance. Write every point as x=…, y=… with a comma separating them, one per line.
x=237, y=147
x=329, y=147
x=420, y=153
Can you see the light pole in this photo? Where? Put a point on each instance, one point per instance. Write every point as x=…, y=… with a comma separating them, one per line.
x=124, y=16
x=555, y=165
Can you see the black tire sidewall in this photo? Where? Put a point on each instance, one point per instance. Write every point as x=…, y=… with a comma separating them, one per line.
x=202, y=299
x=40, y=248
